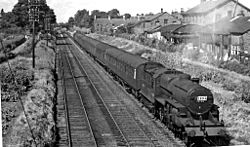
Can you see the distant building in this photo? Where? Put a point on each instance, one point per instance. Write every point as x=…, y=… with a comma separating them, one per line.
x=211, y=11
x=109, y=24
x=1, y=15
x=178, y=15
x=155, y=21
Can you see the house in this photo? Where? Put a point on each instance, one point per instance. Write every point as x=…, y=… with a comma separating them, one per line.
x=153, y=21
x=211, y=11
x=226, y=38
x=154, y=33
x=178, y=15
x=181, y=33
x=110, y=24
x=1, y=17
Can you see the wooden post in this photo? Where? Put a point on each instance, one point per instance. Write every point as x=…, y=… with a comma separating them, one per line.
x=33, y=43
x=229, y=45
x=221, y=48
x=241, y=47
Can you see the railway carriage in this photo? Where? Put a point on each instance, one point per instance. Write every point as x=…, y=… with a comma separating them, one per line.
x=128, y=68
x=125, y=67
x=101, y=50
x=89, y=45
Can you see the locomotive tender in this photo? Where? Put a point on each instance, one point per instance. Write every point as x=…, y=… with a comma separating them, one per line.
x=183, y=105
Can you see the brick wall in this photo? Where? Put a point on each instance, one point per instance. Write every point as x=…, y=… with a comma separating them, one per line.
x=246, y=39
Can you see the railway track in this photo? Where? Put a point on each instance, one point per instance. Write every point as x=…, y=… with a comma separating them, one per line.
x=121, y=99
x=123, y=125
x=78, y=129
x=109, y=121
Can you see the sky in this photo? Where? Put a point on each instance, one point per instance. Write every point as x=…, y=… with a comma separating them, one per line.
x=67, y=8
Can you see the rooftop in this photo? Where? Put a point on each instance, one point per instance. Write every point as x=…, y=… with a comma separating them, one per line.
x=237, y=26
x=210, y=5
x=115, y=21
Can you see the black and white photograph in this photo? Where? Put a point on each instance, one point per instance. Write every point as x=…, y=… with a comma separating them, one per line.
x=92, y=73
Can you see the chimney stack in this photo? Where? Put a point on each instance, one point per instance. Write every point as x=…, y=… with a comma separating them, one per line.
x=182, y=10
x=161, y=10
x=241, y=14
x=203, y=1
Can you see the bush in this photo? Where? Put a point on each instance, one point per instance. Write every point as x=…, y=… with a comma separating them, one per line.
x=218, y=78
x=236, y=67
x=7, y=114
x=243, y=90
x=13, y=42
x=13, y=85
x=229, y=85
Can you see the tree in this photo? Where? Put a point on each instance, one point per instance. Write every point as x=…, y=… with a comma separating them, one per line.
x=95, y=13
x=82, y=18
x=9, y=20
x=71, y=21
x=149, y=14
x=52, y=16
x=127, y=15
x=2, y=11
x=114, y=13
x=20, y=10
x=98, y=14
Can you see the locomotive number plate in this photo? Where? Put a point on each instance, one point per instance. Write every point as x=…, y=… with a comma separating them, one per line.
x=201, y=99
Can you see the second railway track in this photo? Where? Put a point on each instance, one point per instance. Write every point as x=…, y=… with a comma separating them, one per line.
x=79, y=130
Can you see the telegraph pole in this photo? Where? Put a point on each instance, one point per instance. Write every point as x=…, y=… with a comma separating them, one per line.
x=33, y=44
x=47, y=25
x=33, y=17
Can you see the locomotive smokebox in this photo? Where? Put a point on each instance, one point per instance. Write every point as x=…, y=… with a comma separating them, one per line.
x=198, y=99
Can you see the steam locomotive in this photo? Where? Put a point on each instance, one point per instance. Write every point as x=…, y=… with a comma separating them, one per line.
x=176, y=99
